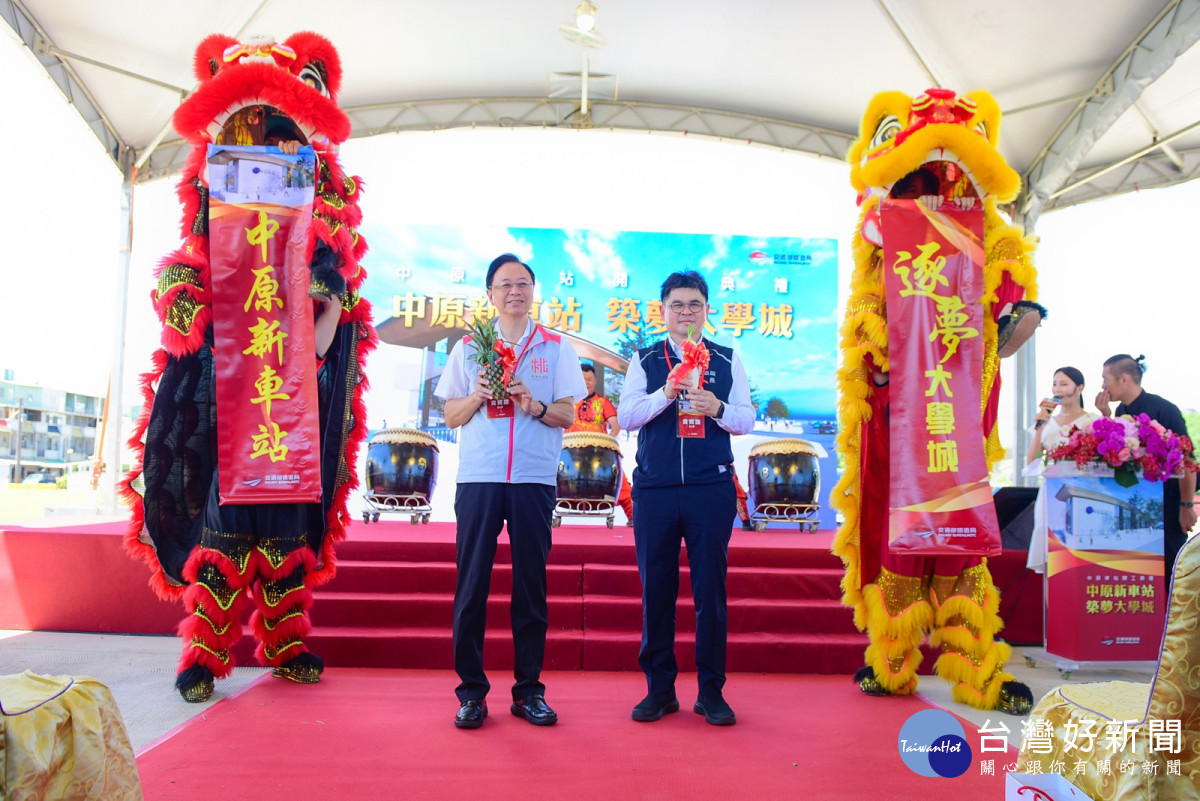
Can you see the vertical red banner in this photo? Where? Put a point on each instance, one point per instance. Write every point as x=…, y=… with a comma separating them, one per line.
x=260, y=208
x=940, y=496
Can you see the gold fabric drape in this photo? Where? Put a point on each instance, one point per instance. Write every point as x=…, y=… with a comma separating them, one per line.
x=62, y=737
x=1150, y=771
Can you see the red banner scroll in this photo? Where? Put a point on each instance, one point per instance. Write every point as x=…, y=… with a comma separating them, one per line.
x=941, y=501
x=260, y=208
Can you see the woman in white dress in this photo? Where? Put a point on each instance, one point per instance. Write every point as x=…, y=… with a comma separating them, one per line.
x=1052, y=426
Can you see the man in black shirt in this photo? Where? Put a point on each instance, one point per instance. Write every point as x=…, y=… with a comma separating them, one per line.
x=1122, y=377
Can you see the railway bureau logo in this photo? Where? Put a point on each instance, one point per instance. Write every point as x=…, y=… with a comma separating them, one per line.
x=932, y=743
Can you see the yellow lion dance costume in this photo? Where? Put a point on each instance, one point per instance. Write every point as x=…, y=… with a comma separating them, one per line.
x=942, y=149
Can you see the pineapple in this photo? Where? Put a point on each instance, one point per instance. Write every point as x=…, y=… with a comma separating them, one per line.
x=485, y=335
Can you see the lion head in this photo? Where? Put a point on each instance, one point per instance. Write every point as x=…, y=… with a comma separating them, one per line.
x=259, y=92
x=937, y=146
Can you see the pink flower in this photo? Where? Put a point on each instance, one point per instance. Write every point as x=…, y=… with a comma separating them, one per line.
x=1124, y=455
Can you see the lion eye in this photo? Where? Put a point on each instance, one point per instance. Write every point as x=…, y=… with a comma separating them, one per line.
x=886, y=131
x=981, y=129
x=312, y=76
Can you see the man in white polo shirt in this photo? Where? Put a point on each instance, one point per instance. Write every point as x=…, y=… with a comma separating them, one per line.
x=507, y=472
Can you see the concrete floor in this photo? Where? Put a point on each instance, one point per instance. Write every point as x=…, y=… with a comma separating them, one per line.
x=140, y=672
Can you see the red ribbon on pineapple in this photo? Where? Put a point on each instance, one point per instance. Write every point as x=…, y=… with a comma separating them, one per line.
x=508, y=359
x=694, y=357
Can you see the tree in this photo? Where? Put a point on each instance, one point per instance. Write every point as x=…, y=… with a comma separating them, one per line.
x=778, y=409
x=755, y=396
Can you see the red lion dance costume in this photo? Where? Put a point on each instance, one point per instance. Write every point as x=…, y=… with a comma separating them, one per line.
x=221, y=559
x=908, y=149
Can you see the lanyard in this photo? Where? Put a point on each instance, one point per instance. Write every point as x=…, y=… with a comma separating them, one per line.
x=529, y=341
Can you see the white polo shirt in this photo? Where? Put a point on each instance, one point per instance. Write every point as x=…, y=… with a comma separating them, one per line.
x=520, y=449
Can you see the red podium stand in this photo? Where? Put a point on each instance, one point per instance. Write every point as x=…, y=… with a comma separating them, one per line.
x=1106, y=595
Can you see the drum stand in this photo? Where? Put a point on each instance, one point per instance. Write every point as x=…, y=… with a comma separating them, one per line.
x=805, y=514
x=415, y=506
x=567, y=507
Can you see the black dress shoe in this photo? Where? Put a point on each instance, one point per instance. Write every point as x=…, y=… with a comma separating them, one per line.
x=471, y=714
x=714, y=709
x=654, y=706
x=535, y=710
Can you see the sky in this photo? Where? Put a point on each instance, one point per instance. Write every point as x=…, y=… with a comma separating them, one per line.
x=1119, y=275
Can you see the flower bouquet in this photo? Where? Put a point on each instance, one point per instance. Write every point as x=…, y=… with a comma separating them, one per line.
x=1128, y=446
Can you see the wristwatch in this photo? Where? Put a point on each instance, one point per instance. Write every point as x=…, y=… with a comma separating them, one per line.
x=542, y=413
x=720, y=409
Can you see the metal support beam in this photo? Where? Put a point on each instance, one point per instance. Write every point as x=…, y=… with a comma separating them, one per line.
x=1152, y=170
x=116, y=438
x=43, y=48
x=62, y=73
x=540, y=112
x=1169, y=34
x=1025, y=403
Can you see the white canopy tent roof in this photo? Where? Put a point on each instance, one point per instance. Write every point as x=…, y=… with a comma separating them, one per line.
x=1099, y=98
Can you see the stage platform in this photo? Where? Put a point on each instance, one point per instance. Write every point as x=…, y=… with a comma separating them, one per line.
x=391, y=602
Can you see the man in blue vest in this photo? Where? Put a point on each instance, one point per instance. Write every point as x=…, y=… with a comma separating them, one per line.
x=683, y=490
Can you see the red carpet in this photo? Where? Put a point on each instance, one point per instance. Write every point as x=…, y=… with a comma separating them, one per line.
x=385, y=734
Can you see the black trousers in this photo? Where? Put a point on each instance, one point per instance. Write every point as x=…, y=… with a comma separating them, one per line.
x=482, y=510
x=701, y=516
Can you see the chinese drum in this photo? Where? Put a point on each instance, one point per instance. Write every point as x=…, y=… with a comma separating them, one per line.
x=783, y=473
x=589, y=468
x=401, y=463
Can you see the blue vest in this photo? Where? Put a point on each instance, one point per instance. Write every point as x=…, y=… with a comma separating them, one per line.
x=663, y=458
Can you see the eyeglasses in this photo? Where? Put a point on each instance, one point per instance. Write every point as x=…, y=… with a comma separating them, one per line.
x=504, y=289
x=679, y=307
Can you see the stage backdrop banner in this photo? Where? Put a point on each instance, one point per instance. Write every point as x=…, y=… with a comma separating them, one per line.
x=772, y=299
x=941, y=499
x=1106, y=593
x=259, y=211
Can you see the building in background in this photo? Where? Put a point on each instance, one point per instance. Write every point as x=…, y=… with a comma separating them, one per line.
x=55, y=430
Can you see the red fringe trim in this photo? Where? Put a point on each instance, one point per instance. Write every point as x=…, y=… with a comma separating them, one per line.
x=195, y=627
x=260, y=653
x=129, y=496
x=197, y=594
x=301, y=598
x=302, y=558
x=339, y=517
x=198, y=656
x=209, y=556
x=294, y=628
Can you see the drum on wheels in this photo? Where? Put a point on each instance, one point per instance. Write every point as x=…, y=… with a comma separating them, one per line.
x=785, y=482
x=589, y=476
x=401, y=474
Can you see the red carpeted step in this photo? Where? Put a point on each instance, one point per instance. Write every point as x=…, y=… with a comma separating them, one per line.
x=761, y=652
x=766, y=582
x=402, y=576
x=359, y=609
x=757, y=614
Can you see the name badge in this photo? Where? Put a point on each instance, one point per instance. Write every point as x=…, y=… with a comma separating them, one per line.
x=691, y=424
x=500, y=409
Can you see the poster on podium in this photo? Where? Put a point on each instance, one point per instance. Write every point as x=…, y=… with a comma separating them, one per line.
x=1106, y=592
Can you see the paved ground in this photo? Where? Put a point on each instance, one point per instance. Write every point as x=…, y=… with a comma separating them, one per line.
x=140, y=671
